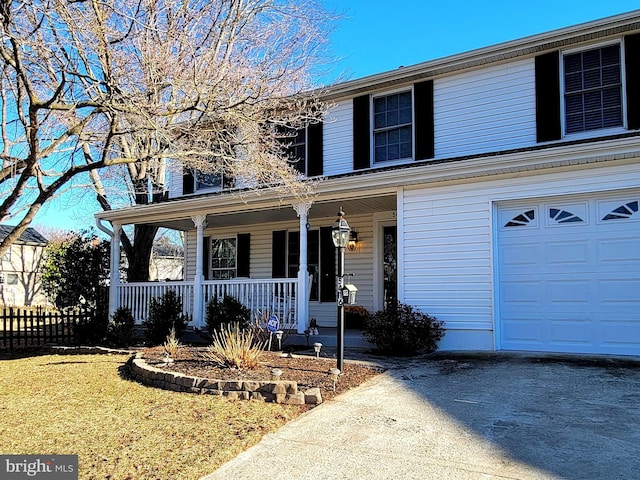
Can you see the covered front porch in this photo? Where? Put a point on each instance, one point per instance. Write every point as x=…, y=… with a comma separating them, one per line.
x=285, y=266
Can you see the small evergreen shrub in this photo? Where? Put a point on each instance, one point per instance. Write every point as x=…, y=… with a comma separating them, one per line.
x=228, y=311
x=91, y=329
x=165, y=312
x=403, y=331
x=121, y=328
x=355, y=316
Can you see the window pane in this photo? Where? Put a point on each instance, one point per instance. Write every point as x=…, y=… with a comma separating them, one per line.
x=405, y=116
x=392, y=102
x=573, y=82
x=380, y=120
x=392, y=118
x=380, y=105
x=405, y=100
x=380, y=154
x=405, y=134
x=394, y=152
x=591, y=79
x=573, y=63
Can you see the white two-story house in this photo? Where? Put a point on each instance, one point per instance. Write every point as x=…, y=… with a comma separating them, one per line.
x=497, y=190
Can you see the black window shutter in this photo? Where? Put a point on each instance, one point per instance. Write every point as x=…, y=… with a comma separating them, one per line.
x=548, y=126
x=279, y=254
x=206, y=243
x=632, y=68
x=188, y=182
x=314, y=150
x=361, y=133
x=243, y=254
x=327, y=266
x=423, y=116
x=293, y=253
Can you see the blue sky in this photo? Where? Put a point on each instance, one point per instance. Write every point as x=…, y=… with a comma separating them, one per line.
x=374, y=36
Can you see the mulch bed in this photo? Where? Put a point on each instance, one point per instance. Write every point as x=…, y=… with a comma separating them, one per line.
x=307, y=371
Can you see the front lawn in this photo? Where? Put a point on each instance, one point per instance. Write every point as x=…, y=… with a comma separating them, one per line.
x=80, y=404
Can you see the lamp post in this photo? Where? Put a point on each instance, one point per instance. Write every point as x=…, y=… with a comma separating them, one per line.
x=340, y=236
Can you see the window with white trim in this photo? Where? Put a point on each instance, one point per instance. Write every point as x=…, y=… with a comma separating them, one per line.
x=223, y=258
x=393, y=127
x=593, y=89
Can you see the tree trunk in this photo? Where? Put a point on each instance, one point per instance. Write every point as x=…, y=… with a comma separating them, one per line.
x=140, y=257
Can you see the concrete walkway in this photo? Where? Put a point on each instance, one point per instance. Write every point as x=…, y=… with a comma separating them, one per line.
x=465, y=417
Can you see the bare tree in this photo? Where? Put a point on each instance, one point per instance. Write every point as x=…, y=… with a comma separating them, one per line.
x=89, y=85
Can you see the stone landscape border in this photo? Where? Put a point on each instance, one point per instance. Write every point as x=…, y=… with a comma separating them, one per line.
x=278, y=391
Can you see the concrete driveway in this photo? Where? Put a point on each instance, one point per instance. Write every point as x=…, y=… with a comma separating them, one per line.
x=465, y=417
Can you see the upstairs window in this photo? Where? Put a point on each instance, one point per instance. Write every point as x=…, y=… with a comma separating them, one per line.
x=212, y=181
x=593, y=89
x=392, y=127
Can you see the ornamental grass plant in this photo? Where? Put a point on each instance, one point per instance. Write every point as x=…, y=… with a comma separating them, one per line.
x=235, y=347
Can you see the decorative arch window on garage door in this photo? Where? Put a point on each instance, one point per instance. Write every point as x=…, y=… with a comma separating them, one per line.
x=559, y=215
x=624, y=211
x=522, y=219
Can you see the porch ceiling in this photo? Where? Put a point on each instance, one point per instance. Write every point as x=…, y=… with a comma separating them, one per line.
x=251, y=215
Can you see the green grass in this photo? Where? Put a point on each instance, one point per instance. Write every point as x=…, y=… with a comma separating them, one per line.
x=80, y=404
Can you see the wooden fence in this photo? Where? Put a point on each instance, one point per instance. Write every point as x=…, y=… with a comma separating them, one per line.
x=32, y=327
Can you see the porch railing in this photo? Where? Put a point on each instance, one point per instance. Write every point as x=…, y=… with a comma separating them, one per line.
x=263, y=297
x=137, y=295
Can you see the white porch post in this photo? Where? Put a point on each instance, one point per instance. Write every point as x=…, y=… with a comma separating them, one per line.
x=114, y=269
x=302, y=297
x=200, y=221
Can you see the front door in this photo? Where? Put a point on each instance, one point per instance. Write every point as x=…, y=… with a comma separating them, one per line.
x=390, y=265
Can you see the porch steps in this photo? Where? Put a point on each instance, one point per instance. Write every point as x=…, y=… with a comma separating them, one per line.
x=328, y=338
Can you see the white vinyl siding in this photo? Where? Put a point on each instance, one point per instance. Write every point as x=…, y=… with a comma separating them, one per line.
x=175, y=179
x=486, y=110
x=448, y=234
x=338, y=139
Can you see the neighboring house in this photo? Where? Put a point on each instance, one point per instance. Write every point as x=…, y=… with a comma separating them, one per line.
x=20, y=270
x=167, y=263
x=497, y=190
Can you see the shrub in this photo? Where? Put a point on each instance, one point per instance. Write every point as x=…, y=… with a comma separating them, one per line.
x=91, y=329
x=403, y=331
x=165, y=312
x=355, y=316
x=228, y=311
x=235, y=348
x=121, y=328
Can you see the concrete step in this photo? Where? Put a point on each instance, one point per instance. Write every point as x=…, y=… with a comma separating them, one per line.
x=328, y=337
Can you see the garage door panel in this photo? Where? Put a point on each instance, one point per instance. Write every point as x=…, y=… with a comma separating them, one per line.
x=569, y=293
x=568, y=252
x=525, y=331
x=616, y=250
x=519, y=292
x=570, y=280
x=614, y=292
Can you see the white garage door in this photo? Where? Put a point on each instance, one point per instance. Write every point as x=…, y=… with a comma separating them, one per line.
x=569, y=275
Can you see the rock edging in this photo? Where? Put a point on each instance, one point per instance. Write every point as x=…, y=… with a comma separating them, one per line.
x=279, y=391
